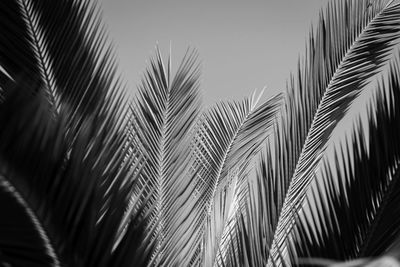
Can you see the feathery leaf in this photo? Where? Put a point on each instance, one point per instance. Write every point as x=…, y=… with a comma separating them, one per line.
x=362, y=50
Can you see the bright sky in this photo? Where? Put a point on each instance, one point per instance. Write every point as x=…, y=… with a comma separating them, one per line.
x=243, y=45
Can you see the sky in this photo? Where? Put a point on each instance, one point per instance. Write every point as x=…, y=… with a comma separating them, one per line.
x=242, y=45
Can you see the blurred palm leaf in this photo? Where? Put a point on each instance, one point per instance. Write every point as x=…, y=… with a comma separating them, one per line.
x=65, y=166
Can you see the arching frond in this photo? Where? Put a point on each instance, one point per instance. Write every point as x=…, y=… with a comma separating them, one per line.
x=352, y=44
x=262, y=210
x=228, y=137
x=354, y=209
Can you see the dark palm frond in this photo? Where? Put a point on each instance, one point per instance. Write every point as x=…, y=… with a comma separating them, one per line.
x=17, y=57
x=58, y=47
x=163, y=115
x=352, y=44
x=67, y=167
x=354, y=209
x=59, y=50
x=20, y=227
x=227, y=138
x=74, y=188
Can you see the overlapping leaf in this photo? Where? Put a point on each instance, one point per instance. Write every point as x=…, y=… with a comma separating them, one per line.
x=164, y=113
x=355, y=211
x=352, y=43
x=227, y=139
x=64, y=157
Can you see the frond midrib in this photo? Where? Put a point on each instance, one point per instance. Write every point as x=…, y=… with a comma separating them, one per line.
x=345, y=56
x=162, y=171
x=161, y=166
x=224, y=160
x=221, y=167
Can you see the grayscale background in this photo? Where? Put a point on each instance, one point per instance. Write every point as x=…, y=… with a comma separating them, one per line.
x=243, y=45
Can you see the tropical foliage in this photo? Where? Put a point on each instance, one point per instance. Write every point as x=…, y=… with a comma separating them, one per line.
x=89, y=177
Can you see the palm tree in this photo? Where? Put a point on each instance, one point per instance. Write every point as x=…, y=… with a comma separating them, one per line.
x=89, y=178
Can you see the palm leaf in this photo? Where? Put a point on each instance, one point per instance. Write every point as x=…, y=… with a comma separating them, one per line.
x=358, y=214
x=71, y=187
x=163, y=115
x=227, y=138
x=262, y=209
x=16, y=48
x=64, y=163
x=352, y=43
x=43, y=37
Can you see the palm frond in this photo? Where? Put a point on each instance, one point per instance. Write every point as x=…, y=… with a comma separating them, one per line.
x=73, y=187
x=43, y=37
x=163, y=115
x=262, y=210
x=352, y=44
x=39, y=251
x=17, y=57
x=227, y=138
x=67, y=167
x=355, y=210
